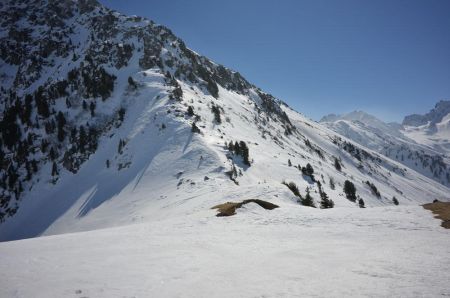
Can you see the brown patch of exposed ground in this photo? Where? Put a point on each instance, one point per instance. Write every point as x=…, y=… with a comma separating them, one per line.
x=229, y=208
x=441, y=210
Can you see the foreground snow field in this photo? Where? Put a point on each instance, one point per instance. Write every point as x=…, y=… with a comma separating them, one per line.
x=291, y=251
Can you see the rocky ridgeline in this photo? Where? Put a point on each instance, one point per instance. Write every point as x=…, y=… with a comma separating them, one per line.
x=436, y=115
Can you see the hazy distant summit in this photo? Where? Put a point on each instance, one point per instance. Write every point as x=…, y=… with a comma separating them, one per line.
x=436, y=115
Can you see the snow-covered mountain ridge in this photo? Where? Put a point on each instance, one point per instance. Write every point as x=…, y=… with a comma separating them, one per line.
x=423, y=148
x=110, y=120
x=433, y=117
x=432, y=129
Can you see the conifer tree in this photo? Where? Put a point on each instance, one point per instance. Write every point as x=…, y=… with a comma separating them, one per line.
x=28, y=169
x=231, y=147
x=54, y=169
x=92, y=108
x=361, y=203
x=61, y=121
x=13, y=176
x=44, y=145
x=244, y=152
x=395, y=201
x=34, y=165
x=293, y=187
x=92, y=136
x=121, y=145
x=237, y=149
x=350, y=190
x=121, y=114
x=52, y=153
x=73, y=134
x=309, y=170
x=28, y=109
x=216, y=111
x=324, y=202
x=308, y=200
x=337, y=164
x=82, y=139
x=195, y=128
x=41, y=103
x=9, y=129
x=190, y=111
x=132, y=83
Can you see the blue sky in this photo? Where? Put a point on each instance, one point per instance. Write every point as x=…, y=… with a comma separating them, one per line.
x=389, y=58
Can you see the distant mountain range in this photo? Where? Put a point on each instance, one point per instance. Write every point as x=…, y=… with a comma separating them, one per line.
x=436, y=115
x=421, y=142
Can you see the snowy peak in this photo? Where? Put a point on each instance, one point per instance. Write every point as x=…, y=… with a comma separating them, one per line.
x=431, y=129
x=354, y=116
x=38, y=34
x=433, y=117
x=414, y=147
x=363, y=119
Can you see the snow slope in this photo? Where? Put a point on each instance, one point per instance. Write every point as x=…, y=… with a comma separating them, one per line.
x=291, y=251
x=173, y=172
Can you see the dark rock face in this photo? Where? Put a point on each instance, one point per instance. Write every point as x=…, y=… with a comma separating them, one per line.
x=229, y=208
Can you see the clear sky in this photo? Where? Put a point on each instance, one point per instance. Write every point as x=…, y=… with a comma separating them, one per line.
x=387, y=57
